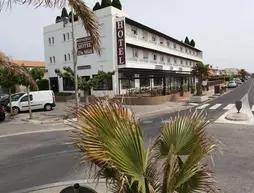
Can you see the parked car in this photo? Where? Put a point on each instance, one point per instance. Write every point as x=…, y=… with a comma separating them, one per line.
x=4, y=101
x=39, y=100
x=232, y=84
x=2, y=113
x=238, y=81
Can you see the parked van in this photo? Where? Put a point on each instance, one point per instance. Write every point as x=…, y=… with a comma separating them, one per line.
x=39, y=100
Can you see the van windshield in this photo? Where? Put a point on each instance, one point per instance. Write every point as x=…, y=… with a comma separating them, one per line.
x=16, y=97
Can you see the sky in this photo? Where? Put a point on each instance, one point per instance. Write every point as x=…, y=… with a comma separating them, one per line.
x=222, y=29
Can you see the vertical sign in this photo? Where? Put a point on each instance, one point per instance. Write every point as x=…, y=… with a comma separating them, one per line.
x=120, y=41
x=84, y=46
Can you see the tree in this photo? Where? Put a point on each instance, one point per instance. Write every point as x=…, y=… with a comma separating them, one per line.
x=108, y=136
x=83, y=83
x=97, y=6
x=70, y=17
x=64, y=13
x=187, y=41
x=243, y=73
x=117, y=4
x=192, y=43
x=11, y=75
x=86, y=15
x=58, y=19
x=201, y=72
x=37, y=73
x=105, y=3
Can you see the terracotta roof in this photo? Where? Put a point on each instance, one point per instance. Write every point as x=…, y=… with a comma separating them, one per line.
x=30, y=63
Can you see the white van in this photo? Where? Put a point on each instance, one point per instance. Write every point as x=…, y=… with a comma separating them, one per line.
x=39, y=100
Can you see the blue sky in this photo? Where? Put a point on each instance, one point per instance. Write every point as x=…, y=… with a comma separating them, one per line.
x=223, y=29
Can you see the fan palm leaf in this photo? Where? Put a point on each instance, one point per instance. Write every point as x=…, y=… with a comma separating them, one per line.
x=109, y=137
x=86, y=15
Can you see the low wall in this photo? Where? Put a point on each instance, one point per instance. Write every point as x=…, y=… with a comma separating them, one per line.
x=156, y=100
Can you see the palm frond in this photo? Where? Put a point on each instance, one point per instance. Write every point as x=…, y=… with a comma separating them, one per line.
x=86, y=15
x=89, y=21
x=109, y=137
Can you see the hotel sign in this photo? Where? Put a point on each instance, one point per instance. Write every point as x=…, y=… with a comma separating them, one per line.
x=84, y=46
x=120, y=41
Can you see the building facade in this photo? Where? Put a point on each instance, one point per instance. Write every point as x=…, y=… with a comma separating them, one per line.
x=141, y=57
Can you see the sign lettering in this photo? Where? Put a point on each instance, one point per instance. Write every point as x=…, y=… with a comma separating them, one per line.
x=120, y=44
x=84, y=46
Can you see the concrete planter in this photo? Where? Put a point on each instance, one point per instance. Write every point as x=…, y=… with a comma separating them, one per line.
x=198, y=99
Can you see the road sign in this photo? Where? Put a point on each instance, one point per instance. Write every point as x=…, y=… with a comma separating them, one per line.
x=84, y=46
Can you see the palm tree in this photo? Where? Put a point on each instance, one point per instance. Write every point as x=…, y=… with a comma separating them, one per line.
x=108, y=135
x=86, y=15
x=200, y=70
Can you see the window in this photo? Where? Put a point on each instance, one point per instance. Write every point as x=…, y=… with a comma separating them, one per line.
x=68, y=84
x=50, y=59
x=168, y=59
x=157, y=81
x=54, y=59
x=181, y=61
x=25, y=98
x=134, y=30
x=65, y=57
x=69, y=57
x=64, y=37
x=181, y=48
x=135, y=53
x=161, y=41
x=144, y=82
x=154, y=38
x=145, y=35
x=105, y=84
x=174, y=45
x=168, y=43
x=175, y=61
x=154, y=57
x=145, y=54
x=53, y=40
x=68, y=36
x=49, y=41
x=162, y=58
x=127, y=83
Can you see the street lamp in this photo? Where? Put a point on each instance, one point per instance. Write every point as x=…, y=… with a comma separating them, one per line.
x=74, y=56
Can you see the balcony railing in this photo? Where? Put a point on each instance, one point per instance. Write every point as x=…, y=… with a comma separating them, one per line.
x=199, y=55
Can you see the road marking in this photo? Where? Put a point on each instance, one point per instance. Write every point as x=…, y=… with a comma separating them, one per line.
x=215, y=106
x=203, y=106
x=34, y=132
x=229, y=106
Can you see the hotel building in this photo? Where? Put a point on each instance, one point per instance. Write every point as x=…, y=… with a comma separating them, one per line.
x=140, y=56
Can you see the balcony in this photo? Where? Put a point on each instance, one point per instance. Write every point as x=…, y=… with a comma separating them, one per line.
x=155, y=45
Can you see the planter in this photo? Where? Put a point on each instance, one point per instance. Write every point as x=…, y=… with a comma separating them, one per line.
x=198, y=99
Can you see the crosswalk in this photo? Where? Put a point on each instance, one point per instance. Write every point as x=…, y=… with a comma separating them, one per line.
x=217, y=106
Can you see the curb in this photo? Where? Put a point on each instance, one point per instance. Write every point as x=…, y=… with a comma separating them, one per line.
x=59, y=184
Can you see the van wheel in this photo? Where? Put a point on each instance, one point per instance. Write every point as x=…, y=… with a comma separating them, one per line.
x=15, y=110
x=48, y=107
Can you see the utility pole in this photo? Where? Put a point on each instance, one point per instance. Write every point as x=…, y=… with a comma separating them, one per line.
x=74, y=56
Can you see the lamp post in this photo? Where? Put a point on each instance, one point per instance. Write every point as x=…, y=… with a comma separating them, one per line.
x=74, y=56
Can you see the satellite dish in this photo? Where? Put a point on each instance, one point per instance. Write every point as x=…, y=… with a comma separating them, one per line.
x=78, y=189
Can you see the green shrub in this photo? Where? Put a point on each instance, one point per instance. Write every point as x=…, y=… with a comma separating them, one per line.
x=105, y=3
x=97, y=6
x=43, y=84
x=117, y=4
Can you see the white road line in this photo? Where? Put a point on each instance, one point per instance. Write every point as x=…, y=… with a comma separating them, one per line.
x=33, y=132
x=215, y=106
x=203, y=106
x=252, y=108
x=229, y=106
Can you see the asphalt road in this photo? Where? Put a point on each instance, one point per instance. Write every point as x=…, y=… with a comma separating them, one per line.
x=42, y=158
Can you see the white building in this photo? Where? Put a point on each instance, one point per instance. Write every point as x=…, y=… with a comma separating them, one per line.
x=140, y=56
